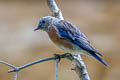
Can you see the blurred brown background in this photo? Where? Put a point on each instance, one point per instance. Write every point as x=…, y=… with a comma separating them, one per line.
x=19, y=44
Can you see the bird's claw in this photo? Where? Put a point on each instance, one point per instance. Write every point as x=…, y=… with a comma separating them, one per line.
x=58, y=56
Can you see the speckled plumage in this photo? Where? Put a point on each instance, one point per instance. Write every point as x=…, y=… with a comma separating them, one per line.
x=68, y=37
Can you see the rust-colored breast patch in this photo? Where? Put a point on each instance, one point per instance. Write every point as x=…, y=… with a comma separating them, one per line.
x=59, y=41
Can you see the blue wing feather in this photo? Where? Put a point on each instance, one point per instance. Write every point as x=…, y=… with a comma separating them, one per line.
x=92, y=53
x=98, y=58
x=72, y=33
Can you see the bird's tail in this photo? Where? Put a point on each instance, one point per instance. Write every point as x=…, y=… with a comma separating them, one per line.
x=98, y=58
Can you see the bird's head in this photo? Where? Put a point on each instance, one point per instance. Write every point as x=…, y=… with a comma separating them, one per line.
x=45, y=22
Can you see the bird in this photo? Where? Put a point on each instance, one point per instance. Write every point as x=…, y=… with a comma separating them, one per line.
x=68, y=37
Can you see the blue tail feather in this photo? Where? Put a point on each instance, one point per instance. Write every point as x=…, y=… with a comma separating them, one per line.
x=98, y=58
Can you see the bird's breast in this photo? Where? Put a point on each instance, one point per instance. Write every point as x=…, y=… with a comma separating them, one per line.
x=59, y=41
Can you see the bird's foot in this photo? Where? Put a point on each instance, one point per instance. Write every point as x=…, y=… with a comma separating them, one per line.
x=59, y=56
x=67, y=54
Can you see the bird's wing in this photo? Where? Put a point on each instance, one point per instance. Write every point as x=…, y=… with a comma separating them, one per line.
x=72, y=33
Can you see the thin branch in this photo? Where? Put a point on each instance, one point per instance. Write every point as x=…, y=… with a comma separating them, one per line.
x=54, y=9
x=15, y=75
x=79, y=67
x=32, y=63
x=76, y=59
x=57, y=61
x=10, y=65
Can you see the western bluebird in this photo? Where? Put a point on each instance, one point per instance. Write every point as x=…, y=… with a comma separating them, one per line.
x=68, y=37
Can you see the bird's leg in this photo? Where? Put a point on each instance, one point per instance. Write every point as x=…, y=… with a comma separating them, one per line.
x=59, y=56
x=67, y=55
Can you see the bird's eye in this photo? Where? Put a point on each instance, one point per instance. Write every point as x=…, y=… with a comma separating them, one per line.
x=43, y=21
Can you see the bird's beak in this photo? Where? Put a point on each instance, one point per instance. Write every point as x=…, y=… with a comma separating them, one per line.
x=36, y=28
